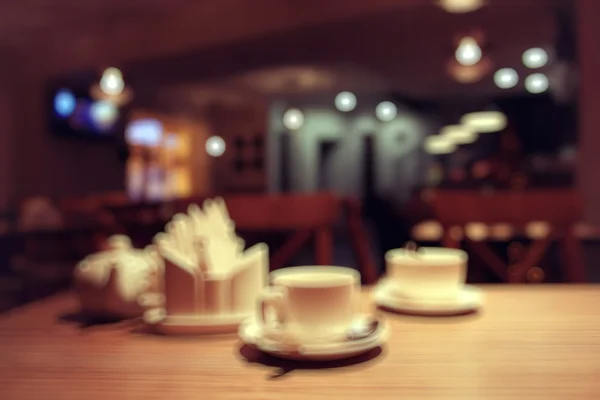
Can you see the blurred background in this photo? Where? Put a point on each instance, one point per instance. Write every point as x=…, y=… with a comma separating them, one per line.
x=335, y=130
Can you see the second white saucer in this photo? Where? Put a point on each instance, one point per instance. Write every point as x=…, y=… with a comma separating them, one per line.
x=251, y=333
x=192, y=325
x=468, y=300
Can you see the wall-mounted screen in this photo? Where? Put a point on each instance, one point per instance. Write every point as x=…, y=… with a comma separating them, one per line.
x=74, y=113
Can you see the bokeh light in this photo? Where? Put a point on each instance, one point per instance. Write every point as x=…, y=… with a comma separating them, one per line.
x=293, y=119
x=64, y=103
x=112, y=82
x=215, y=146
x=345, y=101
x=386, y=111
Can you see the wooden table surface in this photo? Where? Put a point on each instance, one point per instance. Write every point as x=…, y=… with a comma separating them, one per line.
x=530, y=342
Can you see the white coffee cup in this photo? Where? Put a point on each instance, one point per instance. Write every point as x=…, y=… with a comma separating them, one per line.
x=427, y=273
x=312, y=304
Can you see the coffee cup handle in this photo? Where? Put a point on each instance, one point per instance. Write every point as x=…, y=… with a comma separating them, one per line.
x=274, y=298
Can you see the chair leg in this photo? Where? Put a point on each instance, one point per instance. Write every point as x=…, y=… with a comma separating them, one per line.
x=572, y=259
x=490, y=259
x=324, y=246
x=533, y=258
x=289, y=249
x=360, y=243
x=448, y=241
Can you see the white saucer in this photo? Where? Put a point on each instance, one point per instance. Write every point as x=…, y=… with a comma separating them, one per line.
x=251, y=334
x=469, y=300
x=192, y=325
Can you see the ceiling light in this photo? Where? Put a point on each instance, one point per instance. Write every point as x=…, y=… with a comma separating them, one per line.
x=112, y=72
x=461, y=6
x=536, y=83
x=215, y=146
x=506, y=78
x=111, y=88
x=459, y=134
x=112, y=82
x=535, y=58
x=293, y=119
x=468, y=51
x=345, y=101
x=386, y=111
x=437, y=144
x=484, y=121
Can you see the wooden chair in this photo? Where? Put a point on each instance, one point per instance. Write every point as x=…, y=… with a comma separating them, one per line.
x=561, y=210
x=39, y=251
x=360, y=240
x=306, y=216
x=139, y=220
x=44, y=259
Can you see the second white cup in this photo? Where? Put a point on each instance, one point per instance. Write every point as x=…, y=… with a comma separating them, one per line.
x=428, y=273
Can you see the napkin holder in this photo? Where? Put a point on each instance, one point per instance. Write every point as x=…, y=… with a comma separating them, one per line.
x=193, y=301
